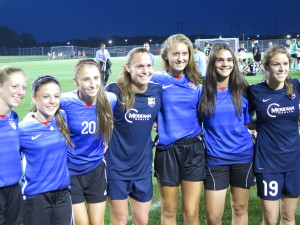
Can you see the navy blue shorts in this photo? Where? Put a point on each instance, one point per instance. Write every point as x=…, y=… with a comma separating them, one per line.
x=220, y=177
x=184, y=161
x=90, y=186
x=140, y=190
x=271, y=186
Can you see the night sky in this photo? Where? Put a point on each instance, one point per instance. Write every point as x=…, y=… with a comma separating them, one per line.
x=60, y=20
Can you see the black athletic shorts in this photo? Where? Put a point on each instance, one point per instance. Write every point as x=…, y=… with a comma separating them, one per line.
x=220, y=177
x=257, y=58
x=11, y=205
x=184, y=161
x=53, y=207
x=91, y=186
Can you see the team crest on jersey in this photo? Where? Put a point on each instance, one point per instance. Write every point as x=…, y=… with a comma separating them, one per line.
x=151, y=102
x=12, y=124
x=293, y=96
x=192, y=85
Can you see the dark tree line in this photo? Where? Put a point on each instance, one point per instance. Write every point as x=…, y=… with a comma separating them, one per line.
x=9, y=38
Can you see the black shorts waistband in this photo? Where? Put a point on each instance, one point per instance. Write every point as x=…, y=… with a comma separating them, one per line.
x=189, y=140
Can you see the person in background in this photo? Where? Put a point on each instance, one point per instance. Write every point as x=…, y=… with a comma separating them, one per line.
x=12, y=92
x=103, y=58
x=90, y=135
x=256, y=51
x=44, y=139
x=129, y=156
x=179, y=157
x=200, y=60
x=228, y=143
x=147, y=47
x=277, y=157
x=294, y=51
x=242, y=55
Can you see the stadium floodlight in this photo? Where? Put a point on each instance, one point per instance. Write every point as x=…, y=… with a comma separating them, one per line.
x=110, y=41
x=150, y=40
x=233, y=42
x=288, y=36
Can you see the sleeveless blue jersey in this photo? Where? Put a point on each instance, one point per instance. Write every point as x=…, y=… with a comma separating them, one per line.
x=82, y=121
x=130, y=149
x=277, y=147
x=44, y=157
x=178, y=117
x=227, y=139
x=10, y=159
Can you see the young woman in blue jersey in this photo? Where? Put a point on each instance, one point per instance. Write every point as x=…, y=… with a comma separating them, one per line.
x=44, y=142
x=12, y=91
x=179, y=158
x=228, y=143
x=277, y=156
x=86, y=162
x=129, y=156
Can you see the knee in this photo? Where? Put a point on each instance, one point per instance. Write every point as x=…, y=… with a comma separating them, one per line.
x=190, y=216
x=168, y=212
x=217, y=220
x=287, y=217
x=239, y=209
x=120, y=218
x=270, y=220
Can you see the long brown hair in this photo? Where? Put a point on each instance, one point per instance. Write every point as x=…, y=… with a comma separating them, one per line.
x=60, y=121
x=103, y=108
x=191, y=69
x=238, y=84
x=124, y=81
x=269, y=54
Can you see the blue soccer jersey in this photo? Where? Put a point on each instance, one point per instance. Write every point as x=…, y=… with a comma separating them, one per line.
x=178, y=117
x=82, y=121
x=277, y=147
x=130, y=149
x=10, y=159
x=227, y=139
x=44, y=157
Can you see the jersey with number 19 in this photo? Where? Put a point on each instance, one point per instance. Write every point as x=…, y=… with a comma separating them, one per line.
x=10, y=164
x=277, y=147
x=82, y=121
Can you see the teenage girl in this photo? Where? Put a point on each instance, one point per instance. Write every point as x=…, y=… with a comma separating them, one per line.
x=12, y=91
x=228, y=143
x=129, y=157
x=277, y=157
x=44, y=142
x=179, y=158
x=89, y=135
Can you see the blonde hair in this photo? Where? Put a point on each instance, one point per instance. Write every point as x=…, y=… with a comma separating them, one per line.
x=6, y=71
x=191, y=69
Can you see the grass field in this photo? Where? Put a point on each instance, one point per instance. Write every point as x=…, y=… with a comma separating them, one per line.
x=63, y=71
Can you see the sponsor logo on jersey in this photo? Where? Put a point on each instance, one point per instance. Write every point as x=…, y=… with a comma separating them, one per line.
x=274, y=109
x=134, y=115
x=12, y=124
x=192, y=85
x=151, y=102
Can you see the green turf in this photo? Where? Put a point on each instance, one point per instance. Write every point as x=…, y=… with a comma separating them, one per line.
x=63, y=71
